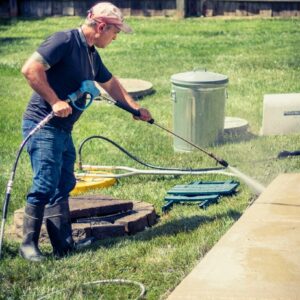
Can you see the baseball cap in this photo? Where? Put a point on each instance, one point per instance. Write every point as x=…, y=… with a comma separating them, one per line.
x=108, y=13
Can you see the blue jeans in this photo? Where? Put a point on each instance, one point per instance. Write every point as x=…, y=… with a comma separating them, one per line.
x=52, y=155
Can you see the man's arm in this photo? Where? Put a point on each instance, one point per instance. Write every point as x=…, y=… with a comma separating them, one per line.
x=34, y=71
x=117, y=92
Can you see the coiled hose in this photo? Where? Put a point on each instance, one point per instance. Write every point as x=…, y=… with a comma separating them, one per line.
x=135, y=158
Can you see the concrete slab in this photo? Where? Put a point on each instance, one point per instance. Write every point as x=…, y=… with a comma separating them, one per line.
x=234, y=125
x=259, y=257
x=137, y=88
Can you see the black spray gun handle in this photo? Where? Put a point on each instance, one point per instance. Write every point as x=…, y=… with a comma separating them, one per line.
x=135, y=112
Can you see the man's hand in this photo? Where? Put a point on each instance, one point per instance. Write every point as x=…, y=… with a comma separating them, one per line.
x=145, y=115
x=61, y=109
x=117, y=91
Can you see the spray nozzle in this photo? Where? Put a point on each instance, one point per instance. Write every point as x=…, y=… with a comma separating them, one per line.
x=223, y=163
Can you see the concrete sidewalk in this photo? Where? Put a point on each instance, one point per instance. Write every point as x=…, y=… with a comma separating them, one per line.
x=259, y=257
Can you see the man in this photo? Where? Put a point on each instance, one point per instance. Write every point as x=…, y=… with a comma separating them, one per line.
x=54, y=71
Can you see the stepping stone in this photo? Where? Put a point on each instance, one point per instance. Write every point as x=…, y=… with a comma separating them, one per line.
x=234, y=125
x=138, y=219
x=98, y=231
x=137, y=88
x=100, y=216
x=91, y=206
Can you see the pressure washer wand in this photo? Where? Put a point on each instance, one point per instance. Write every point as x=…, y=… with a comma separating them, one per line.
x=137, y=113
x=255, y=186
x=221, y=161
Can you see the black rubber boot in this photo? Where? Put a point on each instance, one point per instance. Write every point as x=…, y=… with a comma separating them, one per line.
x=32, y=223
x=58, y=223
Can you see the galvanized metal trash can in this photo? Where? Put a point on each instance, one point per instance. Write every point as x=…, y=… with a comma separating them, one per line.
x=199, y=108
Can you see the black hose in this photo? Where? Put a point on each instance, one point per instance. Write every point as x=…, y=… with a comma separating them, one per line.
x=13, y=172
x=285, y=153
x=136, y=158
x=8, y=192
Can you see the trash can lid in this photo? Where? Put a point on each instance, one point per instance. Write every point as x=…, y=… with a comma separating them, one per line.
x=198, y=77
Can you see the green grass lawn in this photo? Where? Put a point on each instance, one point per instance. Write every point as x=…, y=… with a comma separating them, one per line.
x=260, y=56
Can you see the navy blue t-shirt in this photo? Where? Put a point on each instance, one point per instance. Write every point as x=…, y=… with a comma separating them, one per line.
x=67, y=54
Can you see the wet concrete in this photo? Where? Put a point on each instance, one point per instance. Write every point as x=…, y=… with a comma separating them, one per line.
x=259, y=257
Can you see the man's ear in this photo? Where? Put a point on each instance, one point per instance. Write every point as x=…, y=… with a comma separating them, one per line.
x=101, y=27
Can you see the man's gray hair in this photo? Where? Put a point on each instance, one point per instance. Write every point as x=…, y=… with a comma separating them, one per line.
x=90, y=22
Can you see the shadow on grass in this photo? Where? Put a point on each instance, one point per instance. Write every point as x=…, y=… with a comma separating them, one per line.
x=232, y=138
x=9, y=250
x=5, y=23
x=172, y=228
x=9, y=40
x=185, y=224
x=12, y=43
